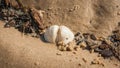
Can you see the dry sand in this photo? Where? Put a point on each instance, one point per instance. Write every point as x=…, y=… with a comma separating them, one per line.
x=22, y=51
x=96, y=16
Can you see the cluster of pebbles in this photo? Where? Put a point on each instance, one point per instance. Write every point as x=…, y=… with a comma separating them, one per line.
x=115, y=39
x=106, y=47
x=14, y=18
x=25, y=19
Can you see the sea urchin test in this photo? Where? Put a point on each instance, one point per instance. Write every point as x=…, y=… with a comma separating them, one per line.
x=55, y=34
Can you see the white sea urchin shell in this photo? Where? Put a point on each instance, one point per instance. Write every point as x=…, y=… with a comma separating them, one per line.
x=55, y=34
x=51, y=33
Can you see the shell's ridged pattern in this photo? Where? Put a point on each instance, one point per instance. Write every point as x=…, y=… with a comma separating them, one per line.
x=66, y=34
x=51, y=34
x=56, y=34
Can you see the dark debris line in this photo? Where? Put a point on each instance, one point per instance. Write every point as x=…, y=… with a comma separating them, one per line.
x=25, y=19
x=107, y=47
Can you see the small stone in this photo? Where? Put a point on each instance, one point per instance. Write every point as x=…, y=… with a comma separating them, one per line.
x=98, y=42
x=76, y=48
x=116, y=64
x=118, y=13
x=50, y=8
x=62, y=48
x=92, y=51
x=117, y=6
x=86, y=35
x=108, y=41
x=99, y=55
x=36, y=63
x=77, y=38
x=95, y=61
x=4, y=14
x=111, y=58
x=42, y=32
x=76, y=57
x=6, y=25
x=79, y=64
x=118, y=23
x=84, y=60
x=78, y=42
x=69, y=48
x=102, y=64
x=33, y=34
x=104, y=46
x=72, y=44
x=94, y=46
x=71, y=10
x=70, y=60
x=59, y=54
x=115, y=31
x=60, y=43
x=83, y=44
x=106, y=53
x=100, y=38
x=5, y=18
x=77, y=34
x=74, y=52
x=92, y=36
x=97, y=50
x=90, y=42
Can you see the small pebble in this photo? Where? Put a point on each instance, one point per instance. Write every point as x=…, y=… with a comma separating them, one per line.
x=99, y=55
x=116, y=64
x=118, y=13
x=102, y=64
x=70, y=60
x=118, y=23
x=92, y=36
x=117, y=6
x=84, y=60
x=92, y=51
x=104, y=46
x=86, y=35
x=97, y=50
x=59, y=54
x=77, y=38
x=79, y=64
x=95, y=61
x=62, y=48
x=74, y=52
x=106, y=53
x=76, y=57
x=100, y=38
x=76, y=48
x=77, y=34
x=115, y=31
x=36, y=63
x=69, y=48
x=83, y=44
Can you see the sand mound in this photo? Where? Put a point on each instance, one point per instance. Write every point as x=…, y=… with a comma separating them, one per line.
x=99, y=17
x=17, y=51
